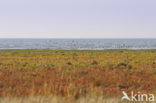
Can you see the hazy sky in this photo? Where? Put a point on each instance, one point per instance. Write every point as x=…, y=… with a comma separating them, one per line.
x=78, y=18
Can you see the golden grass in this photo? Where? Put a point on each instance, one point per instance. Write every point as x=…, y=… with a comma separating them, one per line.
x=74, y=74
x=56, y=99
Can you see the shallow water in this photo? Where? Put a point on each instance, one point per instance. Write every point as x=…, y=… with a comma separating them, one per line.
x=78, y=44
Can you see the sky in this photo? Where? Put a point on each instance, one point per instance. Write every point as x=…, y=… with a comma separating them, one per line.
x=77, y=18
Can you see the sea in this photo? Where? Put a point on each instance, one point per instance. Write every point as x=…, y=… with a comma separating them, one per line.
x=77, y=44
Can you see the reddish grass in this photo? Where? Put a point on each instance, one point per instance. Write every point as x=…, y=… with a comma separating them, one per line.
x=48, y=72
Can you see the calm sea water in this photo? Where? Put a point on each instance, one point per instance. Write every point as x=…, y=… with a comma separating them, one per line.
x=77, y=43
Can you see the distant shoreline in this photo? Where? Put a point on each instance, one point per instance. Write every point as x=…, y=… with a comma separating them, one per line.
x=85, y=49
x=78, y=44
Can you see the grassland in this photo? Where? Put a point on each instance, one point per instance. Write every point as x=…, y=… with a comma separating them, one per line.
x=75, y=76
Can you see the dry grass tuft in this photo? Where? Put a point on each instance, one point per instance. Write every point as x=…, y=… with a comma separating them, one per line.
x=55, y=99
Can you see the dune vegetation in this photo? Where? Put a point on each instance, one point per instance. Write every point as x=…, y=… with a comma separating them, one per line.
x=72, y=76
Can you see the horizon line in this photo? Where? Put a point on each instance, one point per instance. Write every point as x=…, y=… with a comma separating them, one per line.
x=75, y=38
